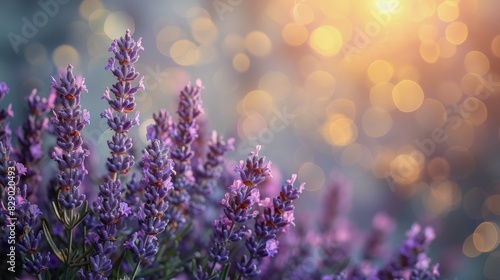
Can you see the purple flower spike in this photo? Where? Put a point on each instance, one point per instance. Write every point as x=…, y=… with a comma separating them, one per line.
x=69, y=154
x=4, y=89
x=143, y=246
x=412, y=256
x=5, y=131
x=30, y=137
x=276, y=218
x=162, y=128
x=238, y=204
x=182, y=136
x=207, y=174
x=157, y=172
x=126, y=53
x=109, y=203
x=28, y=238
x=254, y=170
x=98, y=266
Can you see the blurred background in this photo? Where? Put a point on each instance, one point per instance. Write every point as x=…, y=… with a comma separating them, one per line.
x=401, y=98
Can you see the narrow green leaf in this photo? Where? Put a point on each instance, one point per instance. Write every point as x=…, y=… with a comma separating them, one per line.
x=151, y=270
x=79, y=264
x=48, y=236
x=194, y=267
x=115, y=274
x=80, y=218
x=225, y=271
x=58, y=215
x=83, y=255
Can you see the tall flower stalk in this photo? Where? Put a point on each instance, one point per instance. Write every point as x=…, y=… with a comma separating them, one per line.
x=69, y=120
x=109, y=203
x=183, y=134
x=239, y=209
x=277, y=217
x=157, y=171
x=5, y=140
x=412, y=257
x=30, y=138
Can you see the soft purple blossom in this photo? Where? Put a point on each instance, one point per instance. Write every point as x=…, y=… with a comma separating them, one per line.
x=69, y=154
x=28, y=238
x=272, y=247
x=268, y=225
x=5, y=131
x=412, y=254
x=255, y=169
x=30, y=137
x=4, y=89
x=182, y=135
x=375, y=246
x=126, y=53
x=109, y=203
x=143, y=246
x=156, y=174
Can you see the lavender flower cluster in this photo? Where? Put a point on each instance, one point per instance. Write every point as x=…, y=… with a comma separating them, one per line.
x=179, y=213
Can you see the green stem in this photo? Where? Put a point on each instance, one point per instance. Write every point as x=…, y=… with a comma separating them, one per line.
x=212, y=270
x=70, y=246
x=135, y=270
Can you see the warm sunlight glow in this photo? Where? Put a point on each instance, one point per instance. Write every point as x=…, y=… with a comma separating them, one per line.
x=387, y=5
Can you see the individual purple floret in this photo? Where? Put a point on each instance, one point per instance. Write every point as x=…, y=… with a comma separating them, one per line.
x=30, y=137
x=69, y=120
x=144, y=247
x=412, y=254
x=98, y=267
x=4, y=89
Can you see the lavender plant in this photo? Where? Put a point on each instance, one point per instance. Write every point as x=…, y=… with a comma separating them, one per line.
x=30, y=138
x=162, y=222
x=71, y=205
x=5, y=142
x=182, y=135
x=109, y=203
